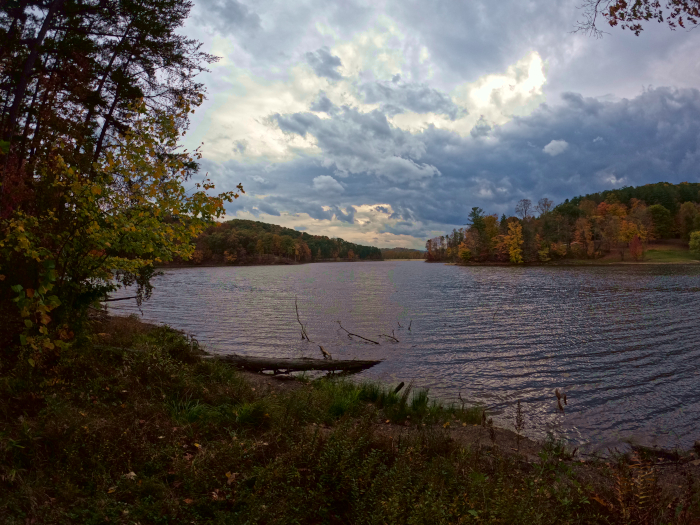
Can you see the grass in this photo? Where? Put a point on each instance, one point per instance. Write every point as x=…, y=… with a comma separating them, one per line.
x=669, y=254
x=132, y=427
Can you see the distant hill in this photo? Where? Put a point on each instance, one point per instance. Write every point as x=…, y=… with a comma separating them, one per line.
x=670, y=196
x=252, y=242
x=402, y=253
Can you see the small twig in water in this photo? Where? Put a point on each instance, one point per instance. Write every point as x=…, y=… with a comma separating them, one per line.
x=398, y=388
x=409, y=324
x=399, y=324
x=459, y=395
x=304, y=334
x=558, y=394
x=390, y=337
x=351, y=334
x=326, y=355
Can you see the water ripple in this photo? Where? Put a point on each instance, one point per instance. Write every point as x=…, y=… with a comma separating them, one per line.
x=622, y=342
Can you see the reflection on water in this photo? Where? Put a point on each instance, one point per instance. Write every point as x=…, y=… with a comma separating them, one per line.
x=623, y=342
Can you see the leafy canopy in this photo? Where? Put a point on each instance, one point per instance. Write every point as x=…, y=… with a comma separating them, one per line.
x=91, y=232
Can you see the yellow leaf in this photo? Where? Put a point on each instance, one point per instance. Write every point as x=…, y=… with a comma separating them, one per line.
x=111, y=490
x=198, y=445
x=189, y=501
x=96, y=190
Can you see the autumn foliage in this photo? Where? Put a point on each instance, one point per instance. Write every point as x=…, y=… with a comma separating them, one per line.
x=618, y=222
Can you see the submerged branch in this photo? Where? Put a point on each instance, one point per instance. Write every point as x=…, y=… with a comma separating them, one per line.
x=355, y=335
x=304, y=335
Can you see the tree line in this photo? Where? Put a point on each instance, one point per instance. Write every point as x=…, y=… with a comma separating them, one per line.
x=402, y=253
x=621, y=221
x=241, y=241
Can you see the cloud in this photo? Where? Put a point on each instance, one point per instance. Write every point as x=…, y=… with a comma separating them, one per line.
x=230, y=16
x=428, y=180
x=266, y=208
x=481, y=128
x=414, y=120
x=555, y=147
x=396, y=97
x=323, y=104
x=324, y=63
x=397, y=169
x=327, y=184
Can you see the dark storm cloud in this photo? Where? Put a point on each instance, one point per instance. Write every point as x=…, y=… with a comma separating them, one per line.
x=653, y=137
x=357, y=142
x=266, y=208
x=396, y=97
x=324, y=63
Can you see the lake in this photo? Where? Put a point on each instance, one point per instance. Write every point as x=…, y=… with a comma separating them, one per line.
x=623, y=342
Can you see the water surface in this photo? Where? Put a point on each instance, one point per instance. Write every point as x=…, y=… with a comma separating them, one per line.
x=623, y=342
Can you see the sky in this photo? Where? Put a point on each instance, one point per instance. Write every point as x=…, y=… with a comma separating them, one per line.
x=385, y=122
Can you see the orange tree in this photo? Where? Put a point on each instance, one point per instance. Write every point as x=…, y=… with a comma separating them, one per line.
x=85, y=233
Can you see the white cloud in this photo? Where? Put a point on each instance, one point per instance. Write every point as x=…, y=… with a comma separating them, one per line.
x=327, y=184
x=555, y=147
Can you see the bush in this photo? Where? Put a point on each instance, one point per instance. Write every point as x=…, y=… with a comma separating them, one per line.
x=695, y=243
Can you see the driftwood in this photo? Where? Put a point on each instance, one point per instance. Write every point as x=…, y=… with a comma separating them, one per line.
x=355, y=335
x=326, y=355
x=279, y=365
x=119, y=299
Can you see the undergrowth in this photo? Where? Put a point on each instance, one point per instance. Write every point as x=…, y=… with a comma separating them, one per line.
x=133, y=427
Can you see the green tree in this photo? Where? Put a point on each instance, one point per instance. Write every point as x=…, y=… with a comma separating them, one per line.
x=476, y=219
x=90, y=233
x=695, y=243
x=662, y=221
x=688, y=218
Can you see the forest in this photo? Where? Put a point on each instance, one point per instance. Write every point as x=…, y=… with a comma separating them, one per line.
x=251, y=242
x=620, y=222
x=402, y=253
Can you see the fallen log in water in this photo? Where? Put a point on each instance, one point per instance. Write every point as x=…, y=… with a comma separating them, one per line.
x=279, y=365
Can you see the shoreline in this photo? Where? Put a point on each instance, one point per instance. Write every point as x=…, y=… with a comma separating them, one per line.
x=276, y=263
x=133, y=425
x=574, y=263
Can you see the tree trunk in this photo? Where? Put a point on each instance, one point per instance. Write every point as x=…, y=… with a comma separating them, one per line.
x=258, y=364
x=29, y=67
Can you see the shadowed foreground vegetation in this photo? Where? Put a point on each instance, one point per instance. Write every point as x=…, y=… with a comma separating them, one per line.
x=133, y=426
